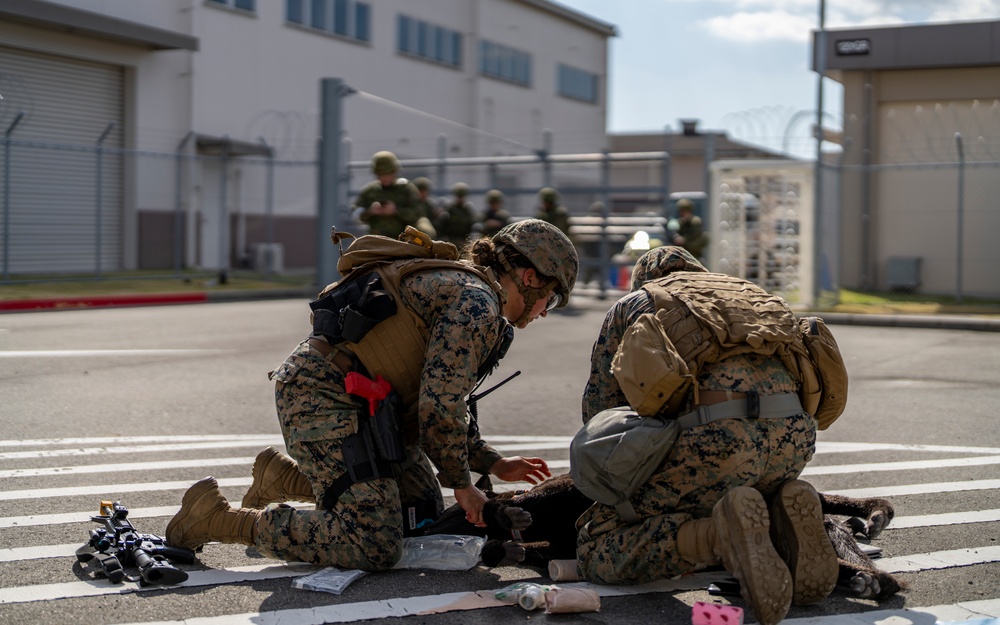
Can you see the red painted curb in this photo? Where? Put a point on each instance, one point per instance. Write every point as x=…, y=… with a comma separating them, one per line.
x=104, y=301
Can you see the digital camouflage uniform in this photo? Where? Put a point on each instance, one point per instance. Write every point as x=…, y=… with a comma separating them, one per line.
x=706, y=461
x=364, y=530
x=401, y=193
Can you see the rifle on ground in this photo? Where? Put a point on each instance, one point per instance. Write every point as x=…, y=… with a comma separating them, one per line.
x=118, y=544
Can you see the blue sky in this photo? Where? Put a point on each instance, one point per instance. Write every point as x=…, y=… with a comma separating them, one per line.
x=738, y=65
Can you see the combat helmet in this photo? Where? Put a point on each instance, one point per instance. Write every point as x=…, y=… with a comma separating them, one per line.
x=494, y=195
x=548, y=194
x=549, y=250
x=460, y=189
x=422, y=183
x=662, y=261
x=685, y=204
x=384, y=162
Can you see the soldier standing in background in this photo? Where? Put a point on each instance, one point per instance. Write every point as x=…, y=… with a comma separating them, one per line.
x=495, y=217
x=552, y=211
x=428, y=207
x=390, y=203
x=690, y=232
x=456, y=220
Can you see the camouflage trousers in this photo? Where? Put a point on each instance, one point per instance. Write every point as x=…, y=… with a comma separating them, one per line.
x=705, y=463
x=364, y=529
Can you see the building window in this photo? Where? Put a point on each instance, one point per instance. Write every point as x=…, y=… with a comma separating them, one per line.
x=244, y=5
x=428, y=41
x=346, y=18
x=500, y=61
x=577, y=84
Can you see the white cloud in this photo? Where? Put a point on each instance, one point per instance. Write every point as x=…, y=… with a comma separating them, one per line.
x=751, y=27
x=793, y=20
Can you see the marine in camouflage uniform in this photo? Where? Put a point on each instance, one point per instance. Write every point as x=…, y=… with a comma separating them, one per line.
x=706, y=462
x=552, y=211
x=457, y=218
x=365, y=528
x=537, y=267
x=690, y=231
x=388, y=190
x=495, y=217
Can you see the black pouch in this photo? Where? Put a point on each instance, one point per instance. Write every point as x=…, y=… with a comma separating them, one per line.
x=387, y=428
x=359, y=456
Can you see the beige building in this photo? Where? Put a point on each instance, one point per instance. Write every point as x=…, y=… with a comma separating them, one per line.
x=921, y=161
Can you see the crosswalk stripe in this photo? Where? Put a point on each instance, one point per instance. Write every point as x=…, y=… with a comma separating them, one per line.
x=917, y=489
x=110, y=491
x=909, y=465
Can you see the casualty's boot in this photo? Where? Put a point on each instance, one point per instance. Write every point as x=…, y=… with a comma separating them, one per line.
x=799, y=537
x=205, y=515
x=276, y=478
x=743, y=543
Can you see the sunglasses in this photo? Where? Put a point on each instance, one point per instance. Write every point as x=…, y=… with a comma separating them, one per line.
x=554, y=300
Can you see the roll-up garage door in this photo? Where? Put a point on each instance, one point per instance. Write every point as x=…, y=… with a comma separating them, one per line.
x=58, y=218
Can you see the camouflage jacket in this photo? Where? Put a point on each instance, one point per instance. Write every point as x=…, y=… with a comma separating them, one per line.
x=737, y=373
x=455, y=222
x=462, y=314
x=402, y=193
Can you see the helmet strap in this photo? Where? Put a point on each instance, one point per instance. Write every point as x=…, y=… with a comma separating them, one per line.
x=529, y=294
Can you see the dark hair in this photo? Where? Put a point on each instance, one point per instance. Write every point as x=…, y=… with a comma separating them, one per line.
x=483, y=252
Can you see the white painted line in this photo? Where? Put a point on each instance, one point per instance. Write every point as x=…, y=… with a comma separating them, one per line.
x=953, y=518
x=940, y=559
x=112, y=491
x=135, y=449
x=909, y=465
x=963, y=611
x=387, y=608
x=137, y=467
x=80, y=517
x=132, y=440
x=823, y=447
x=90, y=353
x=39, y=553
x=918, y=489
x=98, y=587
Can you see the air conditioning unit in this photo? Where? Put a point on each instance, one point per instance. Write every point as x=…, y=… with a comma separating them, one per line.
x=269, y=257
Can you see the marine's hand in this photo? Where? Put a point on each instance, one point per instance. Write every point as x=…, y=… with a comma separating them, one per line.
x=518, y=469
x=472, y=501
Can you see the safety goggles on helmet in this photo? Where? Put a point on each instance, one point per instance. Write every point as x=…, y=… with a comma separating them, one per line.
x=553, y=301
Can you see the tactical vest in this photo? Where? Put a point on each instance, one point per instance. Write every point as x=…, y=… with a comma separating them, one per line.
x=702, y=318
x=395, y=347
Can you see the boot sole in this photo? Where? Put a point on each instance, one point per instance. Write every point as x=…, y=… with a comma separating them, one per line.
x=253, y=498
x=797, y=515
x=179, y=525
x=743, y=538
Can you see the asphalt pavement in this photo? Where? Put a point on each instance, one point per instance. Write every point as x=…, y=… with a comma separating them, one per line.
x=136, y=403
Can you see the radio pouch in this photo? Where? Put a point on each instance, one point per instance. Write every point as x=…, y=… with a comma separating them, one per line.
x=387, y=428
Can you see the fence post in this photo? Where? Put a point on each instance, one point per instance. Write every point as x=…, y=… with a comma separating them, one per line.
x=6, y=195
x=331, y=176
x=961, y=209
x=178, y=201
x=605, y=247
x=100, y=195
x=544, y=154
x=268, y=211
x=442, y=153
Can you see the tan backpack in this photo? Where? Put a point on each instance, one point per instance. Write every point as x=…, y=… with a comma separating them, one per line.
x=824, y=376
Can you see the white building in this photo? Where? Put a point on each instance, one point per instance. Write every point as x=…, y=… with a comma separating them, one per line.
x=240, y=79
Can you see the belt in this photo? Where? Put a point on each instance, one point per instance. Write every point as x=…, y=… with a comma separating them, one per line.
x=751, y=405
x=339, y=358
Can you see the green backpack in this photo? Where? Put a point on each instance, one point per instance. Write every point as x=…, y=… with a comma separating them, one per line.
x=616, y=452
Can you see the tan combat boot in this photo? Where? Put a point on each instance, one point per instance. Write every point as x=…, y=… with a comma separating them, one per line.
x=738, y=535
x=205, y=515
x=799, y=537
x=276, y=478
